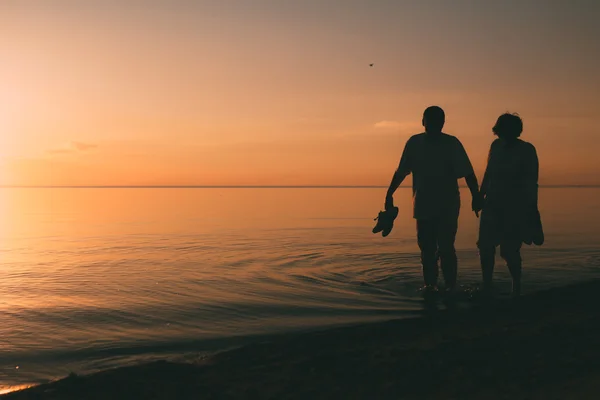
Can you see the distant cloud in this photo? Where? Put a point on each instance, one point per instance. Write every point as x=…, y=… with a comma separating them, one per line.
x=73, y=147
x=388, y=124
x=60, y=151
x=396, y=125
x=83, y=146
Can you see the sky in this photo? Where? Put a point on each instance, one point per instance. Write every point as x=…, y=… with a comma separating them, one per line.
x=265, y=92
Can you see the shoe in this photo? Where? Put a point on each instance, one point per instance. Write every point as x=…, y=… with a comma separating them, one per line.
x=385, y=221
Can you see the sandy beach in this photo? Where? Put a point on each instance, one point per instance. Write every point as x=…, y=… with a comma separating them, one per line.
x=544, y=345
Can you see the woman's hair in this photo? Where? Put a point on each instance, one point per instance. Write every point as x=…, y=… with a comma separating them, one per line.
x=508, y=126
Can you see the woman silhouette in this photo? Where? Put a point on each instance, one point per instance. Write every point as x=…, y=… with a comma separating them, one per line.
x=509, y=189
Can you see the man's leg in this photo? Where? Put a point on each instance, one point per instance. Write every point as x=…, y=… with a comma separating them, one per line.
x=426, y=237
x=447, y=229
x=510, y=251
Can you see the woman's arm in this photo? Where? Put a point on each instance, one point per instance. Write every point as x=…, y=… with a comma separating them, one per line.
x=486, y=176
x=530, y=177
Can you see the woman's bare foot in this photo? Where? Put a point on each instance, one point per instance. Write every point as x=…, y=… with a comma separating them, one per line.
x=487, y=287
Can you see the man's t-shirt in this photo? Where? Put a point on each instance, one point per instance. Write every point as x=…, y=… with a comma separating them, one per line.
x=436, y=161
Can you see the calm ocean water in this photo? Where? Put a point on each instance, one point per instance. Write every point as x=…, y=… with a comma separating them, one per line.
x=97, y=278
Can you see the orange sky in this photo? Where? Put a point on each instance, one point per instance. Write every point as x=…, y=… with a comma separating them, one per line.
x=280, y=92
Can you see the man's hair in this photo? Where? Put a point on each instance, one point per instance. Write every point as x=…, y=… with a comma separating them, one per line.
x=434, y=118
x=508, y=126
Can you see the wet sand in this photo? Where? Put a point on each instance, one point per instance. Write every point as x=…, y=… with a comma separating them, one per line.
x=542, y=346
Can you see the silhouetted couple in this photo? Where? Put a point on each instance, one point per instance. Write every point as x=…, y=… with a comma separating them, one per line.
x=507, y=199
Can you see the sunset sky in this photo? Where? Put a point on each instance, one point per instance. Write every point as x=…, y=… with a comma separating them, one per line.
x=280, y=92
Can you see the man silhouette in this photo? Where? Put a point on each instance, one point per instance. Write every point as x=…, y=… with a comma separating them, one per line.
x=436, y=160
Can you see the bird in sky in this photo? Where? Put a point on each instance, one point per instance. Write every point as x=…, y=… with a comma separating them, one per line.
x=370, y=65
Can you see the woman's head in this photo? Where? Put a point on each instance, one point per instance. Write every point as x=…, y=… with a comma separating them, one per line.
x=508, y=126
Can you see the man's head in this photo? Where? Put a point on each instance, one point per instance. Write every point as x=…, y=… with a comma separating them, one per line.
x=508, y=126
x=434, y=119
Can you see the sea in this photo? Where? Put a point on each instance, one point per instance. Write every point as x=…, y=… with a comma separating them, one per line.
x=98, y=278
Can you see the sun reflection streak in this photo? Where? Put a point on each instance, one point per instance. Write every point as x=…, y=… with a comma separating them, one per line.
x=10, y=389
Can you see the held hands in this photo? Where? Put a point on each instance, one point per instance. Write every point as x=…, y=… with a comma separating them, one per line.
x=477, y=204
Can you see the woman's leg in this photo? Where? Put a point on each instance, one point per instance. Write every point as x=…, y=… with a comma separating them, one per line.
x=511, y=253
x=487, y=257
x=487, y=246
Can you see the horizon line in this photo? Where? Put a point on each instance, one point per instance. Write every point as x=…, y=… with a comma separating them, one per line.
x=239, y=186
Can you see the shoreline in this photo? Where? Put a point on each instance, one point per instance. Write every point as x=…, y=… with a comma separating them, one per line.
x=542, y=345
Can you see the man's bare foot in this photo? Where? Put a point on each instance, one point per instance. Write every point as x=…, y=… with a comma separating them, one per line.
x=429, y=290
x=450, y=290
x=516, y=288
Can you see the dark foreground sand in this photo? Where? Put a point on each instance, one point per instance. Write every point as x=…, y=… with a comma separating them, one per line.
x=542, y=346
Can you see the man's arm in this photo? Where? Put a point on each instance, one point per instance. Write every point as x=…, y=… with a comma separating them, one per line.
x=404, y=168
x=397, y=180
x=463, y=168
x=484, y=183
x=486, y=176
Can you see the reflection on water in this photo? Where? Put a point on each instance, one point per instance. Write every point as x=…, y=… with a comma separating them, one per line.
x=13, y=388
x=93, y=278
